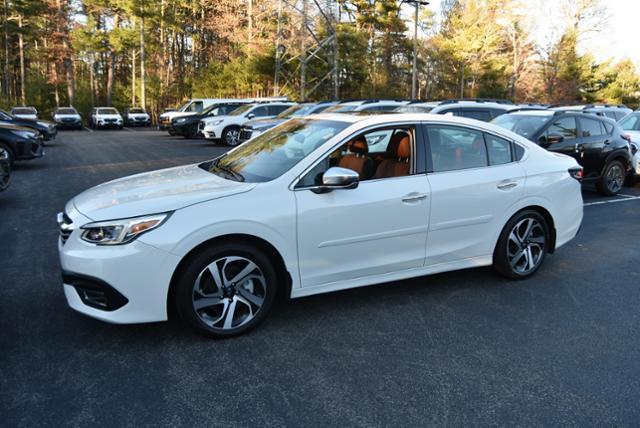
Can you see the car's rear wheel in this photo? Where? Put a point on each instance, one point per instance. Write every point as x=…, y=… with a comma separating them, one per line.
x=226, y=289
x=522, y=245
x=612, y=179
x=231, y=136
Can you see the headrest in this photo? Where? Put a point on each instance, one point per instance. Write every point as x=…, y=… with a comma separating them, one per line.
x=358, y=145
x=478, y=144
x=404, y=148
x=392, y=148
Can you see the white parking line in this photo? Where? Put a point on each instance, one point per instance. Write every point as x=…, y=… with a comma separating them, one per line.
x=128, y=129
x=88, y=129
x=626, y=198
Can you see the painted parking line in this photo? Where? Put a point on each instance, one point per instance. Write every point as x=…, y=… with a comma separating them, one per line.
x=128, y=129
x=88, y=129
x=611, y=201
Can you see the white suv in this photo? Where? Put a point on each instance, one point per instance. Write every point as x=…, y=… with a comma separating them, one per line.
x=105, y=117
x=314, y=205
x=227, y=128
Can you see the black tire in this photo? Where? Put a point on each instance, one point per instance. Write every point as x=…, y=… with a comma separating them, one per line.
x=612, y=180
x=172, y=132
x=231, y=136
x=197, y=268
x=505, y=256
x=191, y=131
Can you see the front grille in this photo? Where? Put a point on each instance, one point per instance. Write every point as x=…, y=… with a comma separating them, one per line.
x=245, y=134
x=65, y=227
x=165, y=121
x=200, y=126
x=110, y=120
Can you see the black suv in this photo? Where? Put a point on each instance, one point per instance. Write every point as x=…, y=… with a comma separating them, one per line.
x=596, y=142
x=48, y=130
x=18, y=142
x=483, y=109
x=612, y=111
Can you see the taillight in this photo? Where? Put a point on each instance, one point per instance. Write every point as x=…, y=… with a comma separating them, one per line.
x=576, y=172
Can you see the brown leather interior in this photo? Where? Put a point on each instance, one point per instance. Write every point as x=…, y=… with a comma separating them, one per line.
x=398, y=165
x=357, y=159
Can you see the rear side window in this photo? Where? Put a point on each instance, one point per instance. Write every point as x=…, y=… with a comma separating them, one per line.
x=565, y=127
x=454, y=148
x=518, y=151
x=499, y=150
x=277, y=109
x=591, y=127
x=608, y=128
x=619, y=115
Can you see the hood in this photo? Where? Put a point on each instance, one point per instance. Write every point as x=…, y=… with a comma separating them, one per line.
x=12, y=126
x=174, y=114
x=262, y=124
x=34, y=124
x=108, y=116
x=155, y=192
x=138, y=115
x=66, y=116
x=27, y=116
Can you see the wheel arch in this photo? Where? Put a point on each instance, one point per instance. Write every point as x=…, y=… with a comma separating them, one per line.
x=618, y=155
x=284, y=277
x=545, y=213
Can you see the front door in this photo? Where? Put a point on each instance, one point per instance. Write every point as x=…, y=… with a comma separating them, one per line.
x=379, y=227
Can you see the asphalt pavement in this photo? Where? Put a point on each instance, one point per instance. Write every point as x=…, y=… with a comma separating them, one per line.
x=455, y=349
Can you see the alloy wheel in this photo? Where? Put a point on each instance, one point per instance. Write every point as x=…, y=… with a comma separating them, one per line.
x=615, y=178
x=526, y=245
x=232, y=137
x=229, y=293
x=5, y=158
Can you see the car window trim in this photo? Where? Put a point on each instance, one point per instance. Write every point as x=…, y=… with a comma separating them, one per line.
x=419, y=147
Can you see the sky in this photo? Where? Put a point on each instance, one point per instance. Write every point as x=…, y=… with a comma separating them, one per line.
x=618, y=39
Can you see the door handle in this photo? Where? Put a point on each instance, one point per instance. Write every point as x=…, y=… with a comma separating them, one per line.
x=414, y=197
x=506, y=185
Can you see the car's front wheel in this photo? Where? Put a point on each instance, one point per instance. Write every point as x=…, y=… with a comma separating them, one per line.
x=231, y=136
x=612, y=179
x=6, y=154
x=522, y=245
x=192, y=131
x=226, y=289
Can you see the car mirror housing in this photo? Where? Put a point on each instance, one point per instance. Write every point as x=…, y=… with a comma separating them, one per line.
x=337, y=178
x=250, y=116
x=634, y=148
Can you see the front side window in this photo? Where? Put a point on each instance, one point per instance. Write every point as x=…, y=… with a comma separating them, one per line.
x=260, y=111
x=377, y=154
x=565, y=127
x=631, y=123
x=454, y=148
x=590, y=127
x=274, y=152
x=275, y=110
x=194, y=107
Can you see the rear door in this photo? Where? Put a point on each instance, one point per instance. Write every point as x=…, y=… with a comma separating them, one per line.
x=593, y=146
x=474, y=179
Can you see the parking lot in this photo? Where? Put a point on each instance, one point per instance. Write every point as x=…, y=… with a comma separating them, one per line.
x=452, y=349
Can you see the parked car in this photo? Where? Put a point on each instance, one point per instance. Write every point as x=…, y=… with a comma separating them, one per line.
x=355, y=106
x=255, y=127
x=612, y=111
x=596, y=142
x=105, y=117
x=25, y=112
x=630, y=125
x=484, y=110
x=417, y=107
x=137, y=116
x=198, y=238
x=227, y=128
x=20, y=143
x=187, y=126
x=198, y=105
x=47, y=130
x=67, y=117
x=5, y=168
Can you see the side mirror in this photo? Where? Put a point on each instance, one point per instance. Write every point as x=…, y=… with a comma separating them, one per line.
x=251, y=116
x=545, y=141
x=337, y=178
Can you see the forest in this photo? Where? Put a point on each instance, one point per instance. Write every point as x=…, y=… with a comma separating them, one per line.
x=157, y=53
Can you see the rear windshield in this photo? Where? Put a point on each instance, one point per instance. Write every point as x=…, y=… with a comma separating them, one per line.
x=66, y=111
x=107, y=111
x=24, y=110
x=525, y=125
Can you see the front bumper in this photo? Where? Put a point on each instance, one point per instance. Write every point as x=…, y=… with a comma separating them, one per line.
x=121, y=284
x=69, y=124
x=50, y=134
x=209, y=132
x=30, y=149
x=635, y=163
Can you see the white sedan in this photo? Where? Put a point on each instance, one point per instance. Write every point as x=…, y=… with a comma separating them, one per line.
x=315, y=205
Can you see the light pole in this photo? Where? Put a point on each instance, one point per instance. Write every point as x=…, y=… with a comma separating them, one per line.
x=414, y=71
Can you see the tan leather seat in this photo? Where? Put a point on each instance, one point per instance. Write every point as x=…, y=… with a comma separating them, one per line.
x=357, y=159
x=399, y=165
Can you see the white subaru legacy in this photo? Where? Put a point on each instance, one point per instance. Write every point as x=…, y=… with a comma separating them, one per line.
x=314, y=205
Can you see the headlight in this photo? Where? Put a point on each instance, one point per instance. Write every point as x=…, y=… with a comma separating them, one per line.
x=45, y=124
x=25, y=134
x=115, y=232
x=215, y=123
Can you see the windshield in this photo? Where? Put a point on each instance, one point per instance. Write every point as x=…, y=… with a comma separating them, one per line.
x=525, y=125
x=297, y=111
x=182, y=107
x=24, y=110
x=631, y=123
x=242, y=109
x=275, y=152
x=341, y=108
x=66, y=111
x=136, y=110
x=5, y=115
x=107, y=111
